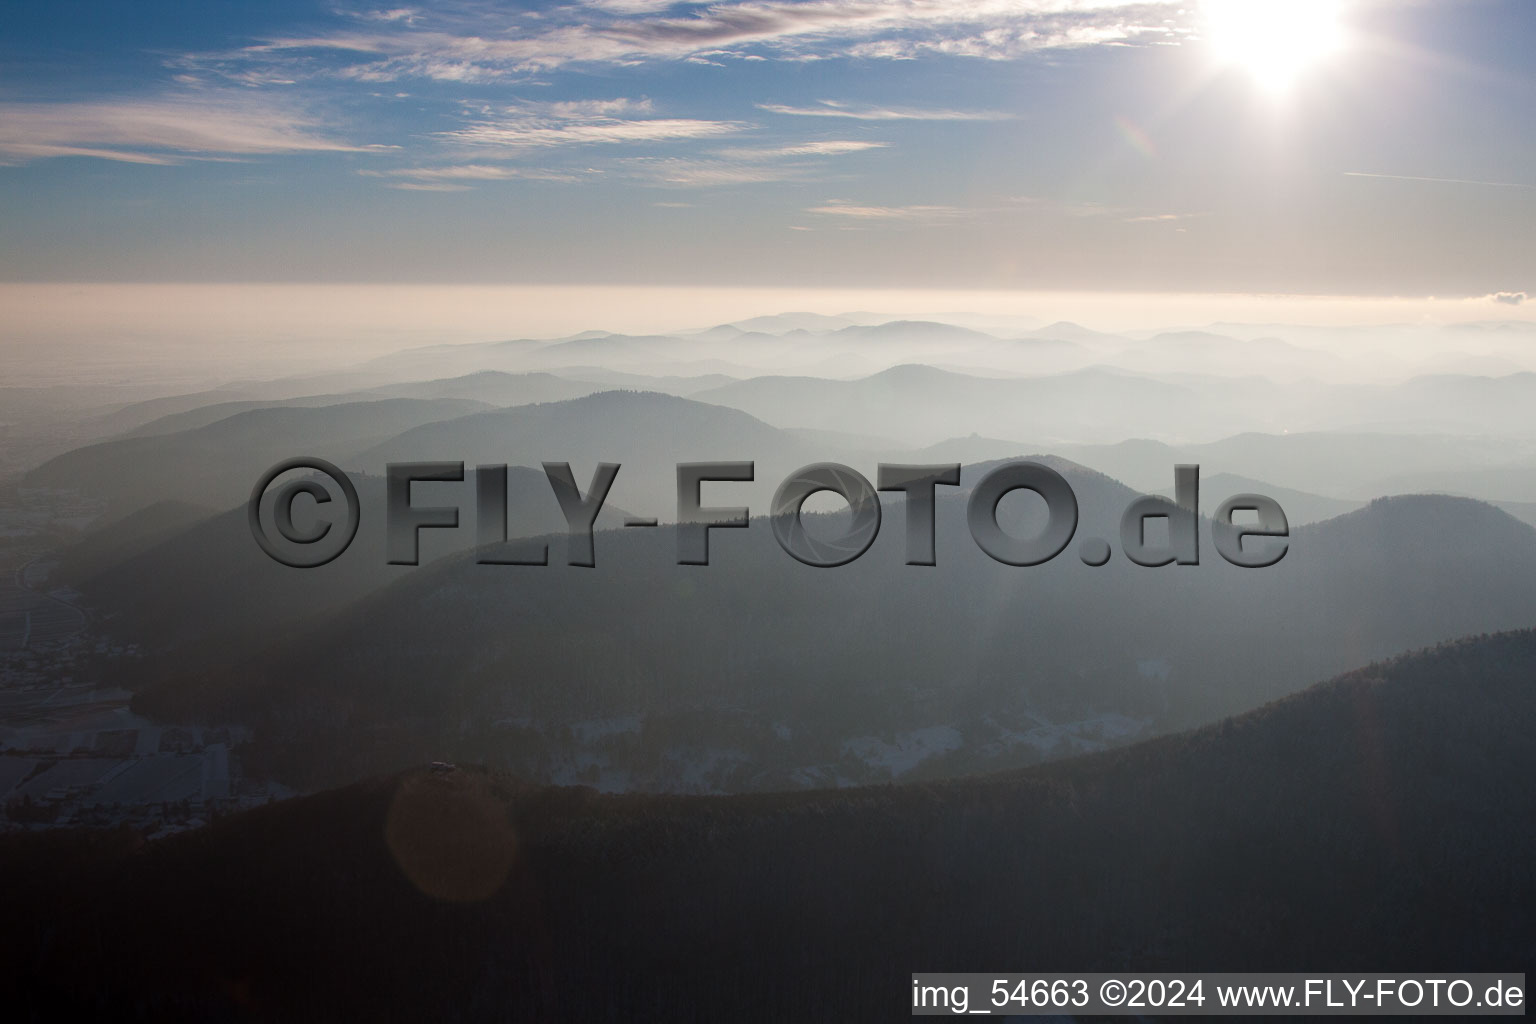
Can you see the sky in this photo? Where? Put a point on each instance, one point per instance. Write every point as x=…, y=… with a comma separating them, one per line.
x=1320, y=147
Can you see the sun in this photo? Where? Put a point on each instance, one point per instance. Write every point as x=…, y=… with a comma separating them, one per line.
x=1275, y=41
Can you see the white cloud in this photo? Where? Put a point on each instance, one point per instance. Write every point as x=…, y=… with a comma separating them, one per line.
x=405, y=14
x=483, y=44
x=855, y=211
x=1439, y=181
x=577, y=109
x=19, y=152
x=1093, y=209
x=634, y=6
x=744, y=165
x=1509, y=298
x=469, y=172
x=535, y=125
x=474, y=172
x=828, y=147
x=158, y=131
x=518, y=130
x=1162, y=218
x=834, y=108
x=529, y=127
x=703, y=173
x=1009, y=40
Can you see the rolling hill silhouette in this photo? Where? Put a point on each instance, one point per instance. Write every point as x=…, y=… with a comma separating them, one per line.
x=1378, y=822
x=217, y=463
x=488, y=387
x=647, y=433
x=192, y=611
x=760, y=673
x=919, y=403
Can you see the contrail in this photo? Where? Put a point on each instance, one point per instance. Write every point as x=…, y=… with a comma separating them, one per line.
x=1443, y=181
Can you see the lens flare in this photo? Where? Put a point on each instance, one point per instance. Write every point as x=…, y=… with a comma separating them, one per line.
x=1275, y=41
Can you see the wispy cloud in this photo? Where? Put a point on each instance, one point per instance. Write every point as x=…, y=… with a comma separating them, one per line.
x=635, y=6
x=408, y=15
x=1092, y=209
x=580, y=123
x=427, y=186
x=1161, y=218
x=523, y=129
x=519, y=132
x=461, y=174
x=481, y=44
x=472, y=172
x=745, y=165
x=576, y=109
x=834, y=108
x=828, y=147
x=1439, y=181
x=707, y=173
x=855, y=211
x=161, y=130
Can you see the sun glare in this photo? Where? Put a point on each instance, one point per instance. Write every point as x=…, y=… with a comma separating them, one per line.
x=1274, y=41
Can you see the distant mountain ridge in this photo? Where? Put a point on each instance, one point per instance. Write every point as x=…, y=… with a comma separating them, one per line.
x=217, y=463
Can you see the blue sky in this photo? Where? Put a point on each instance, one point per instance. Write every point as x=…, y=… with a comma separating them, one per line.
x=1033, y=144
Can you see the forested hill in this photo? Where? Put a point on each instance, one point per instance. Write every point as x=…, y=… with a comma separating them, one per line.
x=1384, y=820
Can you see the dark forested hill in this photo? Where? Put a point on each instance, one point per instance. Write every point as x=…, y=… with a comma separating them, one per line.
x=216, y=463
x=216, y=598
x=757, y=672
x=1382, y=821
x=647, y=433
